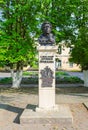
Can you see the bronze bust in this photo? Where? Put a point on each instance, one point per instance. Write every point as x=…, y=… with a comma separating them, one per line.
x=47, y=37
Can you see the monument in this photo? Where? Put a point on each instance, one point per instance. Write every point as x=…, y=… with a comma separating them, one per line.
x=47, y=112
x=47, y=50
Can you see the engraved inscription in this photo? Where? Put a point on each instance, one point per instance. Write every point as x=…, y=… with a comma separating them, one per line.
x=47, y=77
x=46, y=59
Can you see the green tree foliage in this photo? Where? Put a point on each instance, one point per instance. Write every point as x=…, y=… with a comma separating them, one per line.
x=79, y=52
x=17, y=25
x=70, y=23
x=16, y=43
x=21, y=21
x=58, y=12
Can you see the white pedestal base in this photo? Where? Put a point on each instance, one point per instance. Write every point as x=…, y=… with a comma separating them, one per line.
x=46, y=98
x=62, y=114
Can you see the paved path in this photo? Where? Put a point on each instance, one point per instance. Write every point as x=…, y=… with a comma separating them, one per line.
x=78, y=74
x=13, y=104
x=3, y=75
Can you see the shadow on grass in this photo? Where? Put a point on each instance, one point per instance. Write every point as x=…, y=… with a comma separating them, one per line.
x=67, y=90
x=13, y=109
x=34, y=90
x=30, y=90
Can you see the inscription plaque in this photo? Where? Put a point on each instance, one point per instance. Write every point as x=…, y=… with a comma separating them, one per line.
x=46, y=59
x=47, y=77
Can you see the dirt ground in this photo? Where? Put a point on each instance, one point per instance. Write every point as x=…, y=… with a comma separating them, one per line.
x=13, y=102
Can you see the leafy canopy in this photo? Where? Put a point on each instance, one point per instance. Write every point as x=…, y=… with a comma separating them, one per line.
x=16, y=42
x=21, y=21
x=79, y=53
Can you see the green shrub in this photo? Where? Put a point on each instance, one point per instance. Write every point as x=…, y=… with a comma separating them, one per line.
x=6, y=81
x=61, y=73
x=31, y=74
x=69, y=80
x=61, y=77
x=30, y=80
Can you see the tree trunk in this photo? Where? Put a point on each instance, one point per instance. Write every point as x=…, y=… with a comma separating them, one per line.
x=85, y=72
x=16, y=78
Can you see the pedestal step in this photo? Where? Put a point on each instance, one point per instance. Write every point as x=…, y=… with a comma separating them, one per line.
x=30, y=116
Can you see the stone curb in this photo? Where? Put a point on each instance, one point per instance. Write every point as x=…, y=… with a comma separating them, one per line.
x=86, y=104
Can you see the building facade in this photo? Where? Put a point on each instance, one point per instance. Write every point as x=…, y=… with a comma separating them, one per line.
x=62, y=60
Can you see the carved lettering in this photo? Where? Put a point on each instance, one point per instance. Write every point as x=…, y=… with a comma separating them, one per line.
x=46, y=59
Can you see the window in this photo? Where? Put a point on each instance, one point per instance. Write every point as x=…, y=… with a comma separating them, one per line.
x=59, y=64
x=59, y=49
x=70, y=64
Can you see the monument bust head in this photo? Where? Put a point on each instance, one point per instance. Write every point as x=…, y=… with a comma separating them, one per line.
x=46, y=38
x=46, y=28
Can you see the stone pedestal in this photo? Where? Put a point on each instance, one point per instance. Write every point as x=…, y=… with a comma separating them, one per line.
x=61, y=115
x=47, y=112
x=47, y=77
